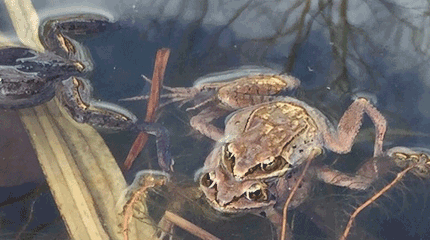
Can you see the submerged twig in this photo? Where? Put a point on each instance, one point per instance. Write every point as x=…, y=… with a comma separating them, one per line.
x=30, y=217
x=290, y=197
x=157, y=81
x=373, y=199
x=188, y=226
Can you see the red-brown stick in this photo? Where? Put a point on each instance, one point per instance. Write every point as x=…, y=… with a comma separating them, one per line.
x=157, y=81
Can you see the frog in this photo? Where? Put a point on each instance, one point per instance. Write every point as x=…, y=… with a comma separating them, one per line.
x=267, y=132
x=29, y=78
x=267, y=197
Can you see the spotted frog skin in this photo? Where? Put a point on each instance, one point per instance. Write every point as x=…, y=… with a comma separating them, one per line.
x=267, y=133
x=268, y=196
x=29, y=78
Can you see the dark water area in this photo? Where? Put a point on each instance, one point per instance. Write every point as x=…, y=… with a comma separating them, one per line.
x=338, y=49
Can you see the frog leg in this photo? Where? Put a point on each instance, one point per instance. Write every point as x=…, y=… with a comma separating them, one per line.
x=342, y=139
x=55, y=32
x=75, y=95
x=401, y=157
x=56, y=38
x=364, y=177
x=202, y=122
x=28, y=78
x=162, y=140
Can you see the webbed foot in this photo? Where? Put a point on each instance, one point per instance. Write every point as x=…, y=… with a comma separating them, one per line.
x=182, y=95
x=405, y=157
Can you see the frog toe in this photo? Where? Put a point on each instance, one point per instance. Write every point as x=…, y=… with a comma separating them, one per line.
x=405, y=157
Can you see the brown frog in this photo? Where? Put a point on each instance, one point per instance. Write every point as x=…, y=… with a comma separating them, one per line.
x=269, y=133
x=268, y=196
x=29, y=78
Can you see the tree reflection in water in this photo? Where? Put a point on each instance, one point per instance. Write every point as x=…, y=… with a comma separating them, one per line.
x=336, y=48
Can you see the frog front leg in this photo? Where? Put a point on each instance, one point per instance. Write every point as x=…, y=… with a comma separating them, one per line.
x=75, y=95
x=342, y=139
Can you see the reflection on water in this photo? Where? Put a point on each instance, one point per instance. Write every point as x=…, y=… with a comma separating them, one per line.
x=336, y=48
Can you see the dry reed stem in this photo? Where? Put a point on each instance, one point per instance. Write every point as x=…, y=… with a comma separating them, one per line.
x=157, y=81
x=373, y=199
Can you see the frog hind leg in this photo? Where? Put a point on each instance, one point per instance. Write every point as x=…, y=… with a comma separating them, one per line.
x=362, y=179
x=162, y=140
x=402, y=157
x=341, y=140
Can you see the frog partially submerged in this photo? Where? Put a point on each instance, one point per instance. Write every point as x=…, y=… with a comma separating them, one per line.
x=268, y=133
x=257, y=159
x=29, y=78
x=268, y=196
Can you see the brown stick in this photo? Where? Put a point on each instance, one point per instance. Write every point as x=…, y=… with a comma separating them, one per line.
x=188, y=226
x=372, y=199
x=157, y=81
x=290, y=197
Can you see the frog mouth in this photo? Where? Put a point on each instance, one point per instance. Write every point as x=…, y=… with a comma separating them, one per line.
x=234, y=209
x=243, y=204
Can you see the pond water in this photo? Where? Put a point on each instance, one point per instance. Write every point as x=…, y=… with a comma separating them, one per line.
x=338, y=49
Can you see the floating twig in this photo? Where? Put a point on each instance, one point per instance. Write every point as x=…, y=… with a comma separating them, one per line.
x=157, y=82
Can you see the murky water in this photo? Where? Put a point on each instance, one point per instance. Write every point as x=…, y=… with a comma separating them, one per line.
x=336, y=48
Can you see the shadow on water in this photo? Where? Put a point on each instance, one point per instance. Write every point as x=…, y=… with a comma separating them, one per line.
x=336, y=48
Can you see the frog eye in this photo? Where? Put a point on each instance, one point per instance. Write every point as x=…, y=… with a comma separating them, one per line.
x=273, y=165
x=207, y=180
x=228, y=158
x=257, y=193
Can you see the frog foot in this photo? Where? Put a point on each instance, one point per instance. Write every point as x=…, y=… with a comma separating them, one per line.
x=405, y=157
x=175, y=94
